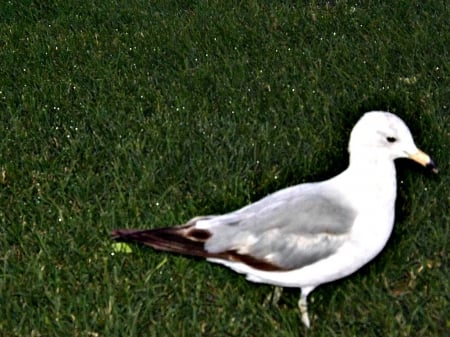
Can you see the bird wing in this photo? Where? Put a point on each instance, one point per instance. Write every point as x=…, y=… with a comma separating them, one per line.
x=290, y=229
x=286, y=230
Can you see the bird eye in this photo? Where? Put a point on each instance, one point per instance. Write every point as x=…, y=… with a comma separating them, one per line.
x=391, y=139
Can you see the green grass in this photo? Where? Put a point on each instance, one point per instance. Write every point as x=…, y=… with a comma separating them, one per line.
x=147, y=113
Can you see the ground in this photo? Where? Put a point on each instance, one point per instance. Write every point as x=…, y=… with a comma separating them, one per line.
x=146, y=113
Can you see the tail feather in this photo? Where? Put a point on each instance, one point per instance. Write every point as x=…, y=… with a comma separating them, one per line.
x=172, y=239
x=187, y=240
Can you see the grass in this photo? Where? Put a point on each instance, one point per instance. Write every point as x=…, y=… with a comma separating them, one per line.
x=147, y=113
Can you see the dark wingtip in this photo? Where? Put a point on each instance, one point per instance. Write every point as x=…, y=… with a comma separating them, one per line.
x=115, y=234
x=120, y=233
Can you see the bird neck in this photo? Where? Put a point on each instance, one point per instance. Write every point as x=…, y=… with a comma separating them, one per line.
x=372, y=173
x=368, y=180
x=373, y=161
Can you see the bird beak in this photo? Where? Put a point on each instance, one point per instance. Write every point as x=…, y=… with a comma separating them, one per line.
x=423, y=159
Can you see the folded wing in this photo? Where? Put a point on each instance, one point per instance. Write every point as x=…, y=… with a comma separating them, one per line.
x=286, y=230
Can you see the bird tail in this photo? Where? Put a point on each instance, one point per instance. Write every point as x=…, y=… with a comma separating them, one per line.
x=188, y=240
x=183, y=239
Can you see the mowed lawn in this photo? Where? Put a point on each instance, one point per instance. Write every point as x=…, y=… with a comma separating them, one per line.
x=143, y=114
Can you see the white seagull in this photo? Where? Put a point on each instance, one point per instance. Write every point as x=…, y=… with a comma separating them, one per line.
x=309, y=234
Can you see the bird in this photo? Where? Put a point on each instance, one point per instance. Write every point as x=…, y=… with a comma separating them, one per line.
x=309, y=234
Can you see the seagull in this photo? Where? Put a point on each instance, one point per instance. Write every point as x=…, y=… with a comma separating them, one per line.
x=308, y=234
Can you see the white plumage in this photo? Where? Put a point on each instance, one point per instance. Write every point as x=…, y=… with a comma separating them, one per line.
x=309, y=234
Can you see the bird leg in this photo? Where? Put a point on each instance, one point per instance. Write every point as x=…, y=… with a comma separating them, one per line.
x=274, y=296
x=277, y=292
x=303, y=306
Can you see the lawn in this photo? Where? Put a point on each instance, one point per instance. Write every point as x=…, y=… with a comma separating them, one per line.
x=143, y=114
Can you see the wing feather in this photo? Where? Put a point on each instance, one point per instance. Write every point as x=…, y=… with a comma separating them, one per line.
x=287, y=230
x=291, y=228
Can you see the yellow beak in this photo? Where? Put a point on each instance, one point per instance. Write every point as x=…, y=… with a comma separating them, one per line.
x=423, y=159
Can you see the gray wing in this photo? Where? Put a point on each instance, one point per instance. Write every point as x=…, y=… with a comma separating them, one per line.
x=291, y=228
